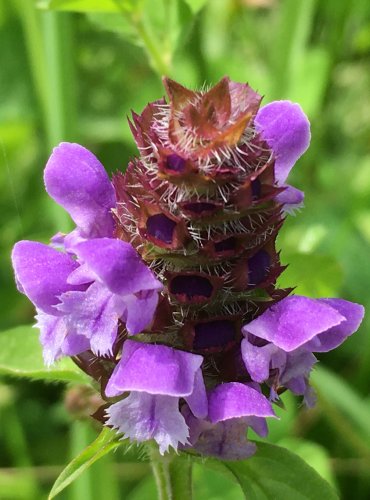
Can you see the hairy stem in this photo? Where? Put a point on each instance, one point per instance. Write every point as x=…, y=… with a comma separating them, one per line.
x=172, y=473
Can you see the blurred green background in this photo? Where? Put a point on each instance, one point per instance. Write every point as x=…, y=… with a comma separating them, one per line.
x=75, y=76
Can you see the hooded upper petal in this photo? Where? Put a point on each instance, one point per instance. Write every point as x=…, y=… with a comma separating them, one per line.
x=76, y=180
x=294, y=321
x=118, y=265
x=235, y=400
x=41, y=273
x=333, y=337
x=286, y=129
x=155, y=369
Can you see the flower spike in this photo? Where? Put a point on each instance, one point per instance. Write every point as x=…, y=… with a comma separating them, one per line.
x=166, y=291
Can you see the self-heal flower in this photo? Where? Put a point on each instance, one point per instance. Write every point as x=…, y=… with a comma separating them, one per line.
x=82, y=296
x=156, y=377
x=166, y=291
x=233, y=408
x=278, y=345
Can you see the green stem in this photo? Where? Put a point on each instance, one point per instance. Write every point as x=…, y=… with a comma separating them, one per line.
x=172, y=473
x=158, y=62
x=80, y=437
x=49, y=40
x=150, y=44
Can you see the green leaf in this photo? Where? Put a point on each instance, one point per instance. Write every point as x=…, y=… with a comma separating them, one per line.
x=275, y=473
x=21, y=356
x=116, y=23
x=107, y=441
x=196, y=5
x=313, y=453
x=313, y=274
x=339, y=393
x=87, y=5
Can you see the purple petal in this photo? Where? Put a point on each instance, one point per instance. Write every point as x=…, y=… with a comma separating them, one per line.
x=141, y=417
x=286, y=129
x=233, y=400
x=139, y=310
x=93, y=314
x=57, y=340
x=224, y=440
x=294, y=321
x=298, y=364
x=117, y=265
x=332, y=338
x=258, y=424
x=42, y=272
x=257, y=359
x=291, y=199
x=76, y=180
x=52, y=334
x=197, y=400
x=155, y=369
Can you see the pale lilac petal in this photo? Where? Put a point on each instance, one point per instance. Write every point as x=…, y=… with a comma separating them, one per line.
x=291, y=199
x=332, y=338
x=74, y=344
x=297, y=385
x=299, y=363
x=155, y=369
x=42, y=272
x=286, y=129
x=233, y=400
x=225, y=440
x=257, y=359
x=294, y=321
x=52, y=334
x=139, y=310
x=93, y=314
x=76, y=180
x=117, y=265
x=82, y=275
x=258, y=424
x=57, y=340
x=141, y=417
x=197, y=400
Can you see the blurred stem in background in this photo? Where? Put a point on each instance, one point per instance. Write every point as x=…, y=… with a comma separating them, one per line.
x=16, y=447
x=49, y=40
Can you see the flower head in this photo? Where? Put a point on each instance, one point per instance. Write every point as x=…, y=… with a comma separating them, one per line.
x=166, y=290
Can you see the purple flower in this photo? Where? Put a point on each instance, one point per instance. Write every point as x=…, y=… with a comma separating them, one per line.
x=79, y=307
x=157, y=377
x=233, y=408
x=278, y=345
x=286, y=129
x=180, y=250
x=80, y=302
x=76, y=179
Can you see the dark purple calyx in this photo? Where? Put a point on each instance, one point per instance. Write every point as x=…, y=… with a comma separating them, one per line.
x=199, y=208
x=214, y=335
x=223, y=248
x=258, y=267
x=161, y=227
x=226, y=245
x=175, y=163
x=256, y=189
x=193, y=288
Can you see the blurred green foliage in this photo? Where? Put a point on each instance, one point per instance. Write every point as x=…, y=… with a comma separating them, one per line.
x=76, y=76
